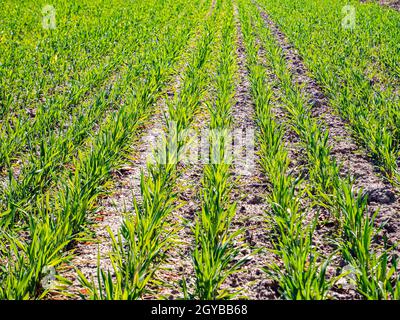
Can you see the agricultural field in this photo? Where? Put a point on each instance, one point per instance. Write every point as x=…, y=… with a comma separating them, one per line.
x=199, y=150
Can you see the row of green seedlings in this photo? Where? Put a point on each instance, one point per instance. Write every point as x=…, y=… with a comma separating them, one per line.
x=300, y=270
x=215, y=255
x=51, y=152
x=54, y=119
x=43, y=63
x=373, y=113
x=59, y=218
x=375, y=279
x=146, y=235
